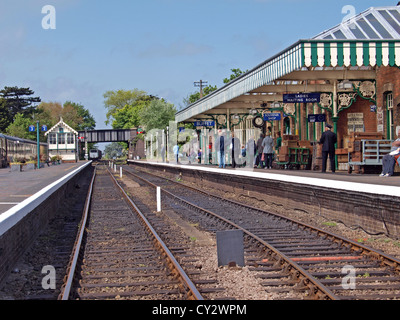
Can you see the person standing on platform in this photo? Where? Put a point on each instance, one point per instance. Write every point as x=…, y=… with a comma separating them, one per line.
x=235, y=150
x=220, y=147
x=328, y=141
x=176, y=153
x=259, y=150
x=268, y=150
x=278, y=142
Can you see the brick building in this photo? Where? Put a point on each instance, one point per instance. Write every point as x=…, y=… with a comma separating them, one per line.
x=347, y=76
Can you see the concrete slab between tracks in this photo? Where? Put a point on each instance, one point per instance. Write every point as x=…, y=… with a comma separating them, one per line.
x=369, y=202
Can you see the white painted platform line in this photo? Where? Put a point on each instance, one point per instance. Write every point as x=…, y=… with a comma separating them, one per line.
x=9, y=203
x=12, y=216
x=317, y=182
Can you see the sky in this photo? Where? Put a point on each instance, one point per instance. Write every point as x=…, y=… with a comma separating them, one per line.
x=159, y=46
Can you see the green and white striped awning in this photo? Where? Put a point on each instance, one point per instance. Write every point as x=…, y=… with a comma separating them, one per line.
x=349, y=53
x=303, y=54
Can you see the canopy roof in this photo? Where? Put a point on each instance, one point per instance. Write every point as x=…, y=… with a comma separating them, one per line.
x=318, y=61
x=374, y=24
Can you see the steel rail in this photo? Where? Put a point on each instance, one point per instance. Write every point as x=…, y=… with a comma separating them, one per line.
x=384, y=258
x=316, y=288
x=67, y=286
x=193, y=292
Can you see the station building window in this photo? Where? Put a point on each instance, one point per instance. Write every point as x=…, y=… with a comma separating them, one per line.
x=52, y=138
x=70, y=138
x=61, y=138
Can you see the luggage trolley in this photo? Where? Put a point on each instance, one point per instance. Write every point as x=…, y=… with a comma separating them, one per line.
x=297, y=157
x=371, y=154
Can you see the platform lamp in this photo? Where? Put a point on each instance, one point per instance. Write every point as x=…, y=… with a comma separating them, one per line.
x=345, y=84
x=275, y=105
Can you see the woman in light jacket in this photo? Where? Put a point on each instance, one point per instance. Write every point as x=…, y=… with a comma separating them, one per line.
x=268, y=151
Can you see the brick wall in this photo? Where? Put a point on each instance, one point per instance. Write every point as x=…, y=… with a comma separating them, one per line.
x=388, y=79
x=359, y=106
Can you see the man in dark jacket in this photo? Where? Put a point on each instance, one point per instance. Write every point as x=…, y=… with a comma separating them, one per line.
x=235, y=150
x=220, y=147
x=328, y=141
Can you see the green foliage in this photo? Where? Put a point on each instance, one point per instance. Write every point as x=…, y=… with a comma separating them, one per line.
x=14, y=100
x=207, y=90
x=128, y=116
x=235, y=74
x=49, y=113
x=88, y=122
x=196, y=95
x=157, y=115
x=124, y=103
x=19, y=128
x=114, y=150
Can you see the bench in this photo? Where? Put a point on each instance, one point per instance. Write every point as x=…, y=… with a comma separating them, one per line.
x=372, y=152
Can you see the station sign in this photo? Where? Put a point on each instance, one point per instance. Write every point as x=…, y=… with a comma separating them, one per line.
x=316, y=118
x=273, y=116
x=204, y=123
x=302, y=97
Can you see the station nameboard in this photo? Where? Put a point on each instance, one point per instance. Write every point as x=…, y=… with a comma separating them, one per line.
x=204, y=123
x=302, y=97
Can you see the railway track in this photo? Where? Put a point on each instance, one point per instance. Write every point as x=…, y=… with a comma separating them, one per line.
x=296, y=257
x=118, y=254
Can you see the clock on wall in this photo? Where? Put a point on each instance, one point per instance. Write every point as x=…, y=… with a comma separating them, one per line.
x=221, y=119
x=258, y=122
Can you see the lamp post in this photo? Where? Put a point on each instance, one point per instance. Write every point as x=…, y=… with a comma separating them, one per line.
x=38, y=144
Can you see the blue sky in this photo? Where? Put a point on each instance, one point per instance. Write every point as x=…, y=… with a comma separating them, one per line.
x=159, y=46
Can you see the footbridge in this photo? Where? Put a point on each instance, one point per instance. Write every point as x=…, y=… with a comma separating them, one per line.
x=108, y=135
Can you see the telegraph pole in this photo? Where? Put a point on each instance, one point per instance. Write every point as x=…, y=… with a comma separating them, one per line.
x=200, y=84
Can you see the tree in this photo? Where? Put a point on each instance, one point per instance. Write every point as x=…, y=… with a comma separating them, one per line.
x=128, y=117
x=15, y=100
x=192, y=98
x=115, y=101
x=49, y=113
x=235, y=74
x=157, y=115
x=88, y=122
x=114, y=150
x=19, y=128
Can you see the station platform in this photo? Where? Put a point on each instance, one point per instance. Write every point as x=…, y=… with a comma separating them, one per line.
x=364, y=201
x=368, y=183
x=18, y=186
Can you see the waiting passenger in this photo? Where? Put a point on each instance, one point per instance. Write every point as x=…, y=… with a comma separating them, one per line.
x=259, y=150
x=268, y=151
x=389, y=160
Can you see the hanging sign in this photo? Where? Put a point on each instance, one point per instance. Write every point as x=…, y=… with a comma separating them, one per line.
x=272, y=116
x=316, y=118
x=302, y=97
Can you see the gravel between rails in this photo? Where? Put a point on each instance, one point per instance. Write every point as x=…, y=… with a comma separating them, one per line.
x=239, y=282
